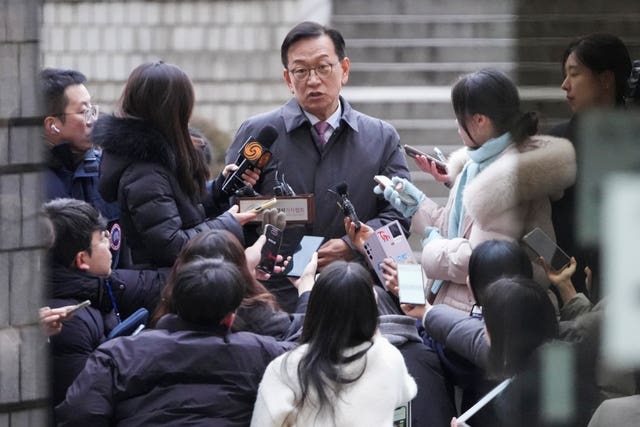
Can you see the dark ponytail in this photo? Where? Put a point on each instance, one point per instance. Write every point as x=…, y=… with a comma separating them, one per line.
x=491, y=93
x=525, y=126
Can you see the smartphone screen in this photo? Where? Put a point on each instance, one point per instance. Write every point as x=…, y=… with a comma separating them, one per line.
x=302, y=255
x=545, y=247
x=270, y=249
x=411, y=284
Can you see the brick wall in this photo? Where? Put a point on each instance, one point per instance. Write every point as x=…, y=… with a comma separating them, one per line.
x=23, y=378
x=229, y=48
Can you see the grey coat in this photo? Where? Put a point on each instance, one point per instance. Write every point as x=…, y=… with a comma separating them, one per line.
x=358, y=149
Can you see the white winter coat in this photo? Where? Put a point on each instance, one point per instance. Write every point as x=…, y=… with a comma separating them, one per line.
x=510, y=197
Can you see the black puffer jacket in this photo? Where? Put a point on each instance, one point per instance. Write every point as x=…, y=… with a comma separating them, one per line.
x=138, y=169
x=179, y=374
x=86, y=330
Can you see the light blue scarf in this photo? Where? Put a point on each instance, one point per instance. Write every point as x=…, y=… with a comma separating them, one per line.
x=481, y=157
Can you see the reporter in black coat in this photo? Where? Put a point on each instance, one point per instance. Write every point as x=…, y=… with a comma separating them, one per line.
x=152, y=168
x=191, y=370
x=81, y=270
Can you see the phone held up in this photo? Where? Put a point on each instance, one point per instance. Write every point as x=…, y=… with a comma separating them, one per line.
x=270, y=249
x=545, y=247
x=412, y=152
x=411, y=284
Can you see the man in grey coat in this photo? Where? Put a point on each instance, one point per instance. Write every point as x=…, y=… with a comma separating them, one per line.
x=323, y=142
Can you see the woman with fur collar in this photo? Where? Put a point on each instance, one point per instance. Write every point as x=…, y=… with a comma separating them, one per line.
x=502, y=183
x=150, y=165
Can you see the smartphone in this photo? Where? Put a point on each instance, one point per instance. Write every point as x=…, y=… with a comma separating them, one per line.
x=270, y=249
x=545, y=247
x=77, y=307
x=303, y=253
x=404, y=197
x=262, y=205
x=402, y=415
x=413, y=152
x=411, y=284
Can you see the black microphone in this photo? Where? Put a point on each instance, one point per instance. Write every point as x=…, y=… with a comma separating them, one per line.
x=345, y=204
x=254, y=154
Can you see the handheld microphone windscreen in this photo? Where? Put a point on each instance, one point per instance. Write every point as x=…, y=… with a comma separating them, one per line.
x=342, y=189
x=267, y=136
x=346, y=205
x=257, y=151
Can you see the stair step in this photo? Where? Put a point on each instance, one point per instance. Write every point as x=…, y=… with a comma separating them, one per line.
x=443, y=110
x=446, y=73
x=400, y=94
x=396, y=7
x=483, y=25
x=422, y=50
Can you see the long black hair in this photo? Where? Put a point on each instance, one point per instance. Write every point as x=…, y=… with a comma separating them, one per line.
x=342, y=313
x=491, y=93
x=519, y=318
x=493, y=259
x=162, y=94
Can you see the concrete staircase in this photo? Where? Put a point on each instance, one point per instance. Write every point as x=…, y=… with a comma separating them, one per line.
x=406, y=54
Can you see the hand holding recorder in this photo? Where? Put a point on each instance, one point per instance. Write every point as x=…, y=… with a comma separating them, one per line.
x=392, y=195
x=385, y=182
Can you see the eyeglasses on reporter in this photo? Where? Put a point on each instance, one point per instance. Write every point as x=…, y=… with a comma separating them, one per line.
x=90, y=114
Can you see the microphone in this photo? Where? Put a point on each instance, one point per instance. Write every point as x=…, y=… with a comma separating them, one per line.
x=345, y=204
x=254, y=154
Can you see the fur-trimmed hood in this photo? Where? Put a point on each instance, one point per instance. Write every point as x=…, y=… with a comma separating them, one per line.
x=542, y=166
x=126, y=141
x=135, y=139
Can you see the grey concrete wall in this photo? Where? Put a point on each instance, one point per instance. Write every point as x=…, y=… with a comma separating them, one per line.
x=23, y=377
x=229, y=48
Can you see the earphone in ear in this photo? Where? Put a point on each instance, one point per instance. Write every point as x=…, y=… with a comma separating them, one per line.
x=55, y=128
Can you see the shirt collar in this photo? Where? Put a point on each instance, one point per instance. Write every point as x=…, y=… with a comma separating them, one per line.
x=293, y=119
x=333, y=120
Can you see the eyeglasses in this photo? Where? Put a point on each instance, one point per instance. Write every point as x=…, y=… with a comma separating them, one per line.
x=322, y=71
x=90, y=114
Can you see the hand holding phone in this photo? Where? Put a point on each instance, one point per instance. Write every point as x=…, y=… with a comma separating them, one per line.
x=77, y=307
x=270, y=249
x=303, y=253
x=545, y=247
x=384, y=182
x=412, y=152
x=411, y=284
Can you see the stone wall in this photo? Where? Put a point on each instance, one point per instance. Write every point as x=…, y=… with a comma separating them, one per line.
x=229, y=48
x=23, y=376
